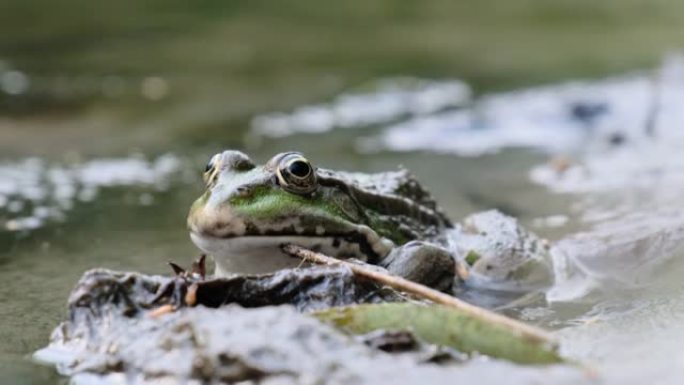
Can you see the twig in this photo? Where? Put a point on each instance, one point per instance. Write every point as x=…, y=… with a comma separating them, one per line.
x=161, y=310
x=528, y=332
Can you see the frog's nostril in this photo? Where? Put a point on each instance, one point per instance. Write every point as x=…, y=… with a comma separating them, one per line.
x=236, y=160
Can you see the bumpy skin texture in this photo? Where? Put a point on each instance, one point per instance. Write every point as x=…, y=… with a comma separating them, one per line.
x=373, y=214
x=393, y=204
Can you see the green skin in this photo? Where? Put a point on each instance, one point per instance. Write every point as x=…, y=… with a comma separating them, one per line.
x=247, y=212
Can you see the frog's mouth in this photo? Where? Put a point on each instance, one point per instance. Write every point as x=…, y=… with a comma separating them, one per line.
x=263, y=253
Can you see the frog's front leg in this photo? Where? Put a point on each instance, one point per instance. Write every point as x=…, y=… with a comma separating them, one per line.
x=424, y=263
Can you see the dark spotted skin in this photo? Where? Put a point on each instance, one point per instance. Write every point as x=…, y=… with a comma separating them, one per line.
x=395, y=200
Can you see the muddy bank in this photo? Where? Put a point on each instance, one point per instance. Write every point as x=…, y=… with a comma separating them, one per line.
x=114, y=334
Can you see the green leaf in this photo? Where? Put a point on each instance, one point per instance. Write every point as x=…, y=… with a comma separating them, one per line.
x=442, y=325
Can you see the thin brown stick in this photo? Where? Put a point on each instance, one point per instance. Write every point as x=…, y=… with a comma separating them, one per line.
x=528, y=332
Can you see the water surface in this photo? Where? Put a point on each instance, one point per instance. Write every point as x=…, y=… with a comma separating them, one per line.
x=108, y=113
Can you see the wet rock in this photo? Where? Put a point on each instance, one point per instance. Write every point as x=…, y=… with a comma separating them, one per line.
x=114, y=330
x=222, y=345
x=101, y=292
x=500, y=254
x=266, y=345
x=115, y=336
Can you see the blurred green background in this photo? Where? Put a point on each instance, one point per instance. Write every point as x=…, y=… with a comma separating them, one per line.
x=221, y=61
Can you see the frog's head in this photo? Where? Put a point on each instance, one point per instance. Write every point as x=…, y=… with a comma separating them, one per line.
x=249, y=210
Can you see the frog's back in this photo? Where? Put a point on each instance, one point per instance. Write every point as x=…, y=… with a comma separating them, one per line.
x=396, y=197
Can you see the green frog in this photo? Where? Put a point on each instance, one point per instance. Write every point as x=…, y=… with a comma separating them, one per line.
x=248, y=212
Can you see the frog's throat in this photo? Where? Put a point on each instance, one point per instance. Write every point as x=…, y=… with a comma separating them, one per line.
x=263, y=253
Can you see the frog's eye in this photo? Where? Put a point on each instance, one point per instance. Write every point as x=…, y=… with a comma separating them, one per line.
x=210, y=169
x=296, y=174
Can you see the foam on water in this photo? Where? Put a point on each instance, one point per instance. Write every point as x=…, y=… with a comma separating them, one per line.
x=389, y=100
x=441, y=116
x=33, y=192
x=569, y=117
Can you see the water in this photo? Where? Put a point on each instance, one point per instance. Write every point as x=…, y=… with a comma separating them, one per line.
x=109, y=112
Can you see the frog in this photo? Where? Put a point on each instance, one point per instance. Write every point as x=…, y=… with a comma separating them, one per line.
x=248, y=212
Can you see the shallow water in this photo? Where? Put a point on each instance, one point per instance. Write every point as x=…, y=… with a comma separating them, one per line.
x=107, y=118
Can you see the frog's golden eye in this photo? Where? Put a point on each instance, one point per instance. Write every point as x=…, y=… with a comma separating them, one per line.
x=210, y=171
x=296, y=174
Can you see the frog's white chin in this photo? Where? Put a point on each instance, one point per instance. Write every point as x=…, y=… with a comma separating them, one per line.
x=263, y=254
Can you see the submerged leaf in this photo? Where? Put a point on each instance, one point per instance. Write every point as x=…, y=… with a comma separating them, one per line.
x=445, y=326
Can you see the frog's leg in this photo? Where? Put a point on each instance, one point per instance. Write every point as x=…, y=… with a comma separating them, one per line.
x=424, y=263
